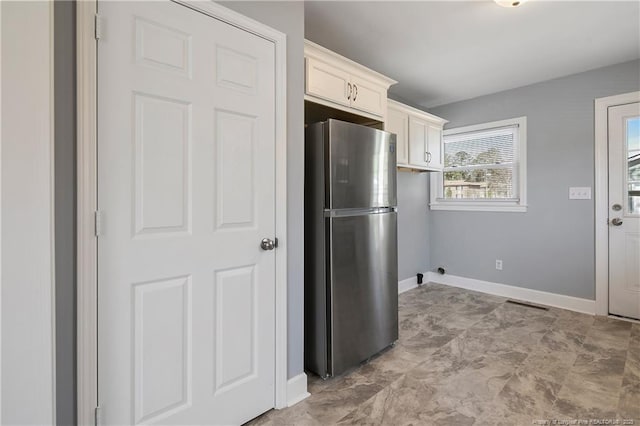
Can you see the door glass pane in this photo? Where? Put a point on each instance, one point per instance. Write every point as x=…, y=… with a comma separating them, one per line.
x=633, y=165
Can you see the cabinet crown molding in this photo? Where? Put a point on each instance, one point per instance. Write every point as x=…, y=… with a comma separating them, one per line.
x=316, y=51
x=415, y=111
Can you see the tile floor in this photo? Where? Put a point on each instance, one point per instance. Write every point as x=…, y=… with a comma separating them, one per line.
x=467, y=358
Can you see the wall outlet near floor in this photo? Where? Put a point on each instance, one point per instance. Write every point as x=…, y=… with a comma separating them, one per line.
x=580, y=193
x=499, y=264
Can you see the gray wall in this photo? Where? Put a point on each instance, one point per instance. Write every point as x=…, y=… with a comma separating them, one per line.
x=65, y=210
x=551, y=246
x=288, y=17
x=413, y=230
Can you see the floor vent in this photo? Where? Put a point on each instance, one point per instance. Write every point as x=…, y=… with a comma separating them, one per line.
x=528, y=305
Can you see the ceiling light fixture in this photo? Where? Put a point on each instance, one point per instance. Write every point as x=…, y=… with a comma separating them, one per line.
x=510, y=3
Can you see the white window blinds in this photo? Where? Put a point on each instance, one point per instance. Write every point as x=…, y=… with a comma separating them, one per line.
x=481, y=164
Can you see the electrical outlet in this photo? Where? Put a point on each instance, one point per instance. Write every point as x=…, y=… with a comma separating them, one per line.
x=499, y=264
x=580, y=193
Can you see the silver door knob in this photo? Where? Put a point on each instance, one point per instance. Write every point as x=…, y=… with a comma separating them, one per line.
x=267, y=244
x=616, y=221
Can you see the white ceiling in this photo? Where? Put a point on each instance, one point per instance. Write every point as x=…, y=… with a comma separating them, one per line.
x=442, y=52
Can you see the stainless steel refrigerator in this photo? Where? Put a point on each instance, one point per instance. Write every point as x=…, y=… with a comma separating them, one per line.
x=351, y=260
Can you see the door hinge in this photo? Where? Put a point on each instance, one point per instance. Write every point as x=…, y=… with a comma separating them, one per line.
x=98, y=222
x=98, y=26
x=98, y=416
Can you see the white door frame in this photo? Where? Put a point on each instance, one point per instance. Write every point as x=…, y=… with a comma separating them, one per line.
x=87, y=370
x=602, y=194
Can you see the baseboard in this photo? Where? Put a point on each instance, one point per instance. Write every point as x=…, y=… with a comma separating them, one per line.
x=408, y=284
x=570, y=303
x=297, y=389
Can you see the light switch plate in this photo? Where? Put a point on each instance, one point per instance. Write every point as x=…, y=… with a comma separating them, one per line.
x=580, y=193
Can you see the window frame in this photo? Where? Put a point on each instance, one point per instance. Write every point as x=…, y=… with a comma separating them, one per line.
x=519, y=205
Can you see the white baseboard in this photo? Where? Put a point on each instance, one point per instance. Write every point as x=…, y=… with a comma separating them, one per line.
x=408, y=284
x=577, y=304
x=297, y=389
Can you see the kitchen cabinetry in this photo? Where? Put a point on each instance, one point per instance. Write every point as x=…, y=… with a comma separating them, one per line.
x=419, y=137
x=398, y=123
x=338, y=82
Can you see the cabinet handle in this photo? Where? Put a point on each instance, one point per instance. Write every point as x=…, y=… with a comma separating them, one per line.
x=356, y=92
x=349, y=89
x=427, y=157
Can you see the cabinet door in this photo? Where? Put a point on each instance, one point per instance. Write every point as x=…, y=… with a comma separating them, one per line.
x=418, y=133
x=398, y=123
x=434, y=146
x=368, y=96
x=327, y=82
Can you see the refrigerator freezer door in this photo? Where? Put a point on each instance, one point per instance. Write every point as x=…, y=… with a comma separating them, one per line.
x=364, y=287
x=362, y=167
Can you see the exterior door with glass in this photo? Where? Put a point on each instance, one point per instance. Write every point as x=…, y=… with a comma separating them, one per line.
x=624, y=210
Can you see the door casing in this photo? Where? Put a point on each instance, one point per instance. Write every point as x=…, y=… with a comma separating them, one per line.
x=87, y=249
x=602, y=194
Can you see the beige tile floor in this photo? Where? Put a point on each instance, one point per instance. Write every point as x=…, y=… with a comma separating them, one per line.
x=466, y=358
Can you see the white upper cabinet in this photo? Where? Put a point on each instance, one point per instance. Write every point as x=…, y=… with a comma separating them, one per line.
x=398, y=123
x=327, y=82
x=418, y=142
x=368, y=96
x=434, y=146
x=419, y=137
x=338, y=82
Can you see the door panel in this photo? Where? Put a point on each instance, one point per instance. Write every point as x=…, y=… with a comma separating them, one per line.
x=367, y=96
x=327, y=82
x=398, y=123
x=434, y=137
x=624, y=210
x=364, y=287
x=186, y=189
x=418, y=142
x=162, y=144
x=362, y=164
x=162, y=348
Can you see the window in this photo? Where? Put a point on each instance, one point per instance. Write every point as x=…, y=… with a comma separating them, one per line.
x=633, y=165
x=484, y=168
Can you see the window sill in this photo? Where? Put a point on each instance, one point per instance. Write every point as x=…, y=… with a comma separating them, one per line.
x=479, y=207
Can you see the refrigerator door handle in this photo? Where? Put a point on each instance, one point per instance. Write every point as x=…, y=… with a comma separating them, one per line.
x=358, y=212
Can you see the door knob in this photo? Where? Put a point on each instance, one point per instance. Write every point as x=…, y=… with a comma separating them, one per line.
x=616, y=221
x=267, y=244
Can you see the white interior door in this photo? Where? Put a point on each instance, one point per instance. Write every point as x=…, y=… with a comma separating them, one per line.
x=624, y=210
x=186, y=183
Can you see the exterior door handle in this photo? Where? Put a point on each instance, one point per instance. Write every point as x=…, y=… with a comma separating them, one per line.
x=616, y=221
x=267, y=244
